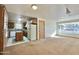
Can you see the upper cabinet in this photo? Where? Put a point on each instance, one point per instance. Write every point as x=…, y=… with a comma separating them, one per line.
x=11, y=25
x=34, y=20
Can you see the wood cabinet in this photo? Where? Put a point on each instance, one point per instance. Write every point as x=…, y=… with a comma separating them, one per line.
x=10, y=25
x=34, y=21
x=19, y=36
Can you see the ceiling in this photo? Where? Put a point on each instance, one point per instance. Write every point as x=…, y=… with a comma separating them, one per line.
x=47, y=11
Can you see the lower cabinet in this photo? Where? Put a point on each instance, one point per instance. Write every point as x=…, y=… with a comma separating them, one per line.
x=19, y=36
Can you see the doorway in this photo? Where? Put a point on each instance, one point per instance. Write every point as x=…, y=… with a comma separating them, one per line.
x=21, y=29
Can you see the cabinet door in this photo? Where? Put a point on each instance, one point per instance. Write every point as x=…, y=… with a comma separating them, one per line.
x=41, y=29
x=19, y=36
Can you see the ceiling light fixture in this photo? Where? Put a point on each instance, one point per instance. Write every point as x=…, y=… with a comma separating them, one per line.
x=34, y=6
x=68, y=11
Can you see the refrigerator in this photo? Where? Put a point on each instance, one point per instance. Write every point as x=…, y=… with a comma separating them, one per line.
x=33, y=32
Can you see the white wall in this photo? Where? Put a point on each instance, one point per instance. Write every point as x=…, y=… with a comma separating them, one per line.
x=58, y=13
x=50, y=28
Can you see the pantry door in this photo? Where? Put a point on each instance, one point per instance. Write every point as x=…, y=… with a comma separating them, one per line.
x=41, y=29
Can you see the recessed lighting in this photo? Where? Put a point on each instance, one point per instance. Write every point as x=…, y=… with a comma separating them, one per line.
x=34, y=7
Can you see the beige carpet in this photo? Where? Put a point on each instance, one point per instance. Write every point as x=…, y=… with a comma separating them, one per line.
x=50, y=46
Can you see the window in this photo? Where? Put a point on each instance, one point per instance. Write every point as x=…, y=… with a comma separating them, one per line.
x=18, y=26
x=68, y=28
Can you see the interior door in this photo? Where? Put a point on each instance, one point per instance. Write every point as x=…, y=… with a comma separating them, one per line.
x=41, y=29
x=1, y=28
